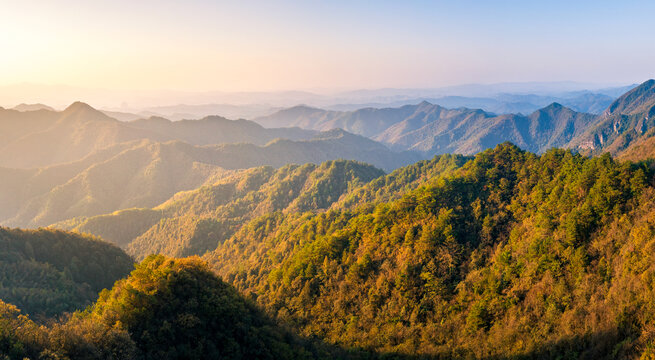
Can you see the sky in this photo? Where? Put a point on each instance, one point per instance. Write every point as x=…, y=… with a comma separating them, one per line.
x=201, y=45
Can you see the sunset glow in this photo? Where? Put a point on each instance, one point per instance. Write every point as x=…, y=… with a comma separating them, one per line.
x=253, y=46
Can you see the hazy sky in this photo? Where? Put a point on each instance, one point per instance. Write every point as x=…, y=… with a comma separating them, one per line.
x=272, y=45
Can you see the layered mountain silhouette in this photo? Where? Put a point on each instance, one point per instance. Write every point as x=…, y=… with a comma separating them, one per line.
x=471, y=131
x=74, y=133
x=80, y=162
x=433, y=129
x=41, y=138
x=194, y=222
x=145, y=173
x=453, y=257
x=367, y=122
x=32, y=107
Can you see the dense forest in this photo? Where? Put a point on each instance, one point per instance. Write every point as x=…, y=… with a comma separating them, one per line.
x=506, y=254
x=48, y=272
x=166, y=309
x=512, y=254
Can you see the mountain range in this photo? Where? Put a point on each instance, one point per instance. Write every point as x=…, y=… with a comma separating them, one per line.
x=495, y=253
x=82, y=163
x=143, y=173
x=194, y=222
x=433, y=129
x=41, y=138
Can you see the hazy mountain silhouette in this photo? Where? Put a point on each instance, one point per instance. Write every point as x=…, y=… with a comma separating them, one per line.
x=194, y=222
x=145, y=173
x=32, y=107
x=77, y=131
x=41, y=138
x=218, y=130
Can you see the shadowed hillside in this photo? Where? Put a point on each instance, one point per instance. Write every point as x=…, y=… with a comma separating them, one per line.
x=48, y=272
x=166, y=309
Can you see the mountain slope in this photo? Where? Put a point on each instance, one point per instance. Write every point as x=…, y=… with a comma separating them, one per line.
x=440, y=119
x=509, y=255
x=368, y=122
x=638, y=100
x=629, y=118
x=550, y=249
x=47, y=272
x=396, y=184
x=145, y=174
x=217, y=130
x=16, y=124
x=166, y=309
x=470, y=131
x=18, y=187
x=433, y=129
x=194, y=222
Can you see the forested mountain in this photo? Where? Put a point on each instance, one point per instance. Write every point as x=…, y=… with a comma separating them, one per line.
x=47, y=272
x=550, y=249
x=400, y=181
x=194, y=222
x=454, y=257
x=505, y=255
x=166, y=309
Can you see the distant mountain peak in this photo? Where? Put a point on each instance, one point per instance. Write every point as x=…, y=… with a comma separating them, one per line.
x=301, y=107
x=82, y=112
x=79, y=106
x=555, y=105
